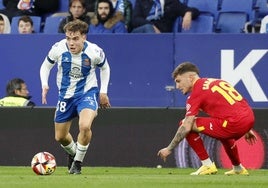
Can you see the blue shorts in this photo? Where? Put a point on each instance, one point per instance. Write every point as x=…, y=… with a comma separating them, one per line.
x=67, y=109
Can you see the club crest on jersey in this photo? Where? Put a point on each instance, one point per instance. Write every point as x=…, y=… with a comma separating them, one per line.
x=86, y=62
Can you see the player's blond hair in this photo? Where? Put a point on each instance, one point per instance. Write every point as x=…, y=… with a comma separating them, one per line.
x=76, y=26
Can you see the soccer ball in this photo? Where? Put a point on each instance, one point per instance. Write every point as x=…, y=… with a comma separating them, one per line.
x=43, y=163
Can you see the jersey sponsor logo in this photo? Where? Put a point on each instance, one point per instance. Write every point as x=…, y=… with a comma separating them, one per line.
x=75, y=73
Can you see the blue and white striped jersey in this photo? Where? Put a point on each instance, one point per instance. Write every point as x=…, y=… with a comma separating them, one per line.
x=76, y=72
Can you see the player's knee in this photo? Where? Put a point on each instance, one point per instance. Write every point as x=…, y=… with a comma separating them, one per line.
x=84, y=126
x=60, y=138
x=84, y=129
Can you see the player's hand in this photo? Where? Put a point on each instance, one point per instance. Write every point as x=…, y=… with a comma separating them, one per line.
x=164, y=153
x=250, y=137
x=44, y=94
x=104, y=101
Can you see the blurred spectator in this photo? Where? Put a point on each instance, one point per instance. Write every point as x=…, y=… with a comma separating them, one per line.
x=264, y=25
x=17, y=94
x=29, y=7
x=158, y=16
x=91, y=4
x=25, y=25
x=25, y=4
x=106, y=20
x=43, y=7
x=4, y=24
x=125, y=7
x=77, y=9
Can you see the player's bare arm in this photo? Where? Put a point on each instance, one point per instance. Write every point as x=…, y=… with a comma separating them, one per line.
x=179, y=136
x=182, y=132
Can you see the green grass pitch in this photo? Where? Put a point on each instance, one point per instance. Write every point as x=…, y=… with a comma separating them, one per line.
x=135, y=177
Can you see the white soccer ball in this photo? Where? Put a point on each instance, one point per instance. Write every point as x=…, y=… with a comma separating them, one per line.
x=43, y=163
x=159, y=166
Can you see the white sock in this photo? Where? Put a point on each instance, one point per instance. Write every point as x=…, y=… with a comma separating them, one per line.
x=238, y=168
x=206, y=162
x=80, y=152
x=70, y=149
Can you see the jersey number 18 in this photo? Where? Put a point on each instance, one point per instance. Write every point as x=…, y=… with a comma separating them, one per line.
x=228, y=92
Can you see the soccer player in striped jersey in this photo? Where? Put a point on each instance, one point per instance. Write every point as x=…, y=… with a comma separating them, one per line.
x=79, y=94
x=229, y=118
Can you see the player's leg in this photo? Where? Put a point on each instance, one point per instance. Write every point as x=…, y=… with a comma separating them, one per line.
x=232, y=152
x=223, y=130
x=86, y=118
x=87, y=109
x=238, y=129
x=66, y=110
x=63, y=136
x=196, y=143
x=208, y=126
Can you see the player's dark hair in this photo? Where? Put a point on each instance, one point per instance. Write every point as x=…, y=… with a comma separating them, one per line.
x=76, y=26
x=183, y=68
x=13, y=85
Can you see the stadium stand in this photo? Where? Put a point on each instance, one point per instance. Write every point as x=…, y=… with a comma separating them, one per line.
x=203, y=24
x=177, y=25
x=255, y=9
x=262, y=8
x=183, y=1
x=64, y=6
x=52, y=24
x=36, y=23
x=247, y=6
x=231, y=22
x=133, y=3
x=206, y=6
x=1, y=4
